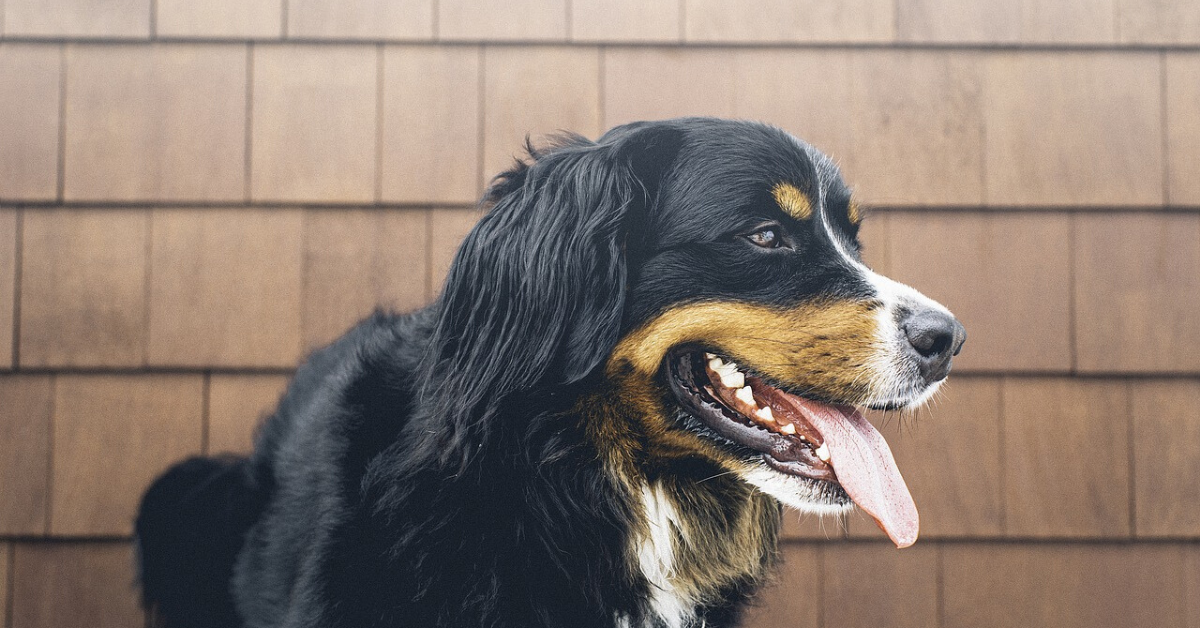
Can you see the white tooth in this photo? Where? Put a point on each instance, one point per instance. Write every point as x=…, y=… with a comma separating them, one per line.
x=787, y=428
x=710, y=356
x=727, y=369
x=735, y=380
x=764, y=413
x=746, y=396
x=823, y=452
x=715, y=363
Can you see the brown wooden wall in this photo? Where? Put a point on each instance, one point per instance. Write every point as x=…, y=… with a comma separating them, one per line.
x=194, y=193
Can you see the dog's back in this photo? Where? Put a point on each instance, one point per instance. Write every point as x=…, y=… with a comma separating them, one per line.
x=189, y=532
x=196, y=519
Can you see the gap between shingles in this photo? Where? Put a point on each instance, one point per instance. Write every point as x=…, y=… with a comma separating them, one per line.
x=18, y=267
x=379, y=78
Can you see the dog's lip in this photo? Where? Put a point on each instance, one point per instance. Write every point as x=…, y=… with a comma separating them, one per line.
x=786, y=453
x=859, y=459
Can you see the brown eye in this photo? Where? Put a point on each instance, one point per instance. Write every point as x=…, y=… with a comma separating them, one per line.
x=767, y=238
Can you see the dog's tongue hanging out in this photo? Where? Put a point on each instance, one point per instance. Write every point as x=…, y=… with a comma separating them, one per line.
x=864, y=466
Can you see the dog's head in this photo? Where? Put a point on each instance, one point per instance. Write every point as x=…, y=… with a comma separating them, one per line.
x=707, y=274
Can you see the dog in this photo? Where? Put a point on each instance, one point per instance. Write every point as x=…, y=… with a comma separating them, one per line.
x=647, y=345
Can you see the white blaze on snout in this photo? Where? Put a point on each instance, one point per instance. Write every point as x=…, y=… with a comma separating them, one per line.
x=890, y=386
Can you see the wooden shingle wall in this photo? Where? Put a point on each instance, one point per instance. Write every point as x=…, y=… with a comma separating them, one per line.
x=195, y=193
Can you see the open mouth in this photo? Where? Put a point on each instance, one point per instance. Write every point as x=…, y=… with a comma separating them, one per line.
x=797, y=436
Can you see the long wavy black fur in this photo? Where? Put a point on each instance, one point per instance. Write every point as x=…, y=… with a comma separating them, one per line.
x=428, y=469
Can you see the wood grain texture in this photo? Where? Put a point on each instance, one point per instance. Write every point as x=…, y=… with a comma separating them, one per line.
x=1007, y=21
x=1005, y=276
x=1135, y=305
x=1066, y=586
x=794, y=600
x=784, y=21
x=5, y=566
x=83, y=287
x=219, y=19
x=108, y=19
x=1068, y=22
x=431, y=124
x=948, y=21
x=502, y=20
x=777, y=85
x=1158, y=22
x=30, y=78
x=1183, y=128
x=685, y=82
x=534, y=92
x=360, y=19
x=1073, y=129
x=1191, y=592
x=950, y=455
x=874, y=236
x=625, y=21
x=157, y=123
x=357, y=261
x=905, y=103
x=313, y=129
x=74, y=584
x=874, y=584
x=237, y=405
x=1066, y=458
x=447, y=228
x=112, y=435
x=198, y=316
x=24, y=453
x=8, y=285
x=1166, y=429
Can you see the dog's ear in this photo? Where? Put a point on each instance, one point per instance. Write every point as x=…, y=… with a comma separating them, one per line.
x=536, y=292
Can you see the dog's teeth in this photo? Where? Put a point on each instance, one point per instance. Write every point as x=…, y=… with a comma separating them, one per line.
x=746, y=396
x=823, y=453
x=733, y=380
x=729, y=368
x=714, y=362
x=787, y=428
x=710, y=356
x=764, y=413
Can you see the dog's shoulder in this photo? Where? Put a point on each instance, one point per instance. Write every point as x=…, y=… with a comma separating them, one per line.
x=348, y=400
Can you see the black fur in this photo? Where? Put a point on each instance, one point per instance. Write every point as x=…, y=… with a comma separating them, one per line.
x=434, y=469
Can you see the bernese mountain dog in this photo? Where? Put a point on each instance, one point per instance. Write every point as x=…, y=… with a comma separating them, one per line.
x=647, y=345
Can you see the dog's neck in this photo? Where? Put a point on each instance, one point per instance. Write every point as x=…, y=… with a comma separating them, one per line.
x=702, y=538
x=702, y=544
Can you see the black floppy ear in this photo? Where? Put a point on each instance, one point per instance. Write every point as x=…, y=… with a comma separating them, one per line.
x=536, y=292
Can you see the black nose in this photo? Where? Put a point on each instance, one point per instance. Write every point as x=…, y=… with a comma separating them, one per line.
x=934, y=337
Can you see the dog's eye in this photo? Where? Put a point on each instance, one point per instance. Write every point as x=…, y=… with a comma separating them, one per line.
x=767, y=237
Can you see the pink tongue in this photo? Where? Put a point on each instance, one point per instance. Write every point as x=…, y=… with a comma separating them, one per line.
x=865, y=468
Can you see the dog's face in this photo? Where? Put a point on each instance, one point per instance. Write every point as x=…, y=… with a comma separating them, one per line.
x=754, y=330
x=708, y=273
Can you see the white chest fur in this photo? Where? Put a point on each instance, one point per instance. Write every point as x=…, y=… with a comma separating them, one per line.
x=656, y=552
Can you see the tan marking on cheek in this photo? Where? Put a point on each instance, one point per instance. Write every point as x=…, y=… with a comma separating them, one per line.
x=792, y=201
x=823, y=348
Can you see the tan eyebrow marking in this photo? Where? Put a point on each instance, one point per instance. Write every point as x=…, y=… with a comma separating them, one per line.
x=854, y=213
x=792, y=200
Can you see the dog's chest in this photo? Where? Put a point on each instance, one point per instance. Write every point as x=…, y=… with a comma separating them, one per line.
x=701, y=549
x=657, y=556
